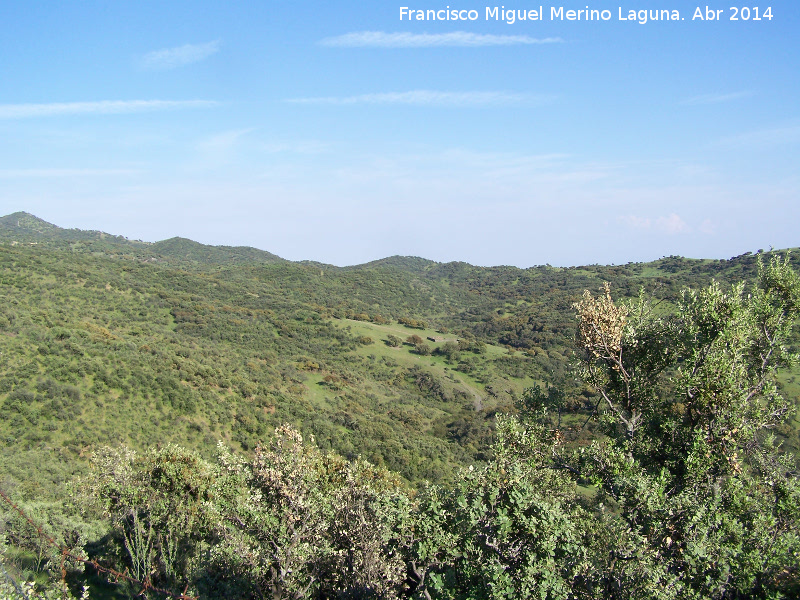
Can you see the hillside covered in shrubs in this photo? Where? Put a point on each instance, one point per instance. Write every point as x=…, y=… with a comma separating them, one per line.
x=220, y=422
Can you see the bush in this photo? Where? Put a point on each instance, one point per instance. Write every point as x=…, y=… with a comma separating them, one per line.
x=393, y=341
x=422, y=349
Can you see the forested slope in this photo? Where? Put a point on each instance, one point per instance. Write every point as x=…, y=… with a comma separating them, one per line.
x=168, y=366
x=107, y=339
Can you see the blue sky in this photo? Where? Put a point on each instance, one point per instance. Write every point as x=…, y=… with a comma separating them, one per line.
x=336, y=132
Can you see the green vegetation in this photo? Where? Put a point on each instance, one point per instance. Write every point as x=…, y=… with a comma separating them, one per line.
x=141, y=385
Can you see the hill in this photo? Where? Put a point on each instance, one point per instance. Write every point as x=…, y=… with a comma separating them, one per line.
x=182, y=249
x=106, y=340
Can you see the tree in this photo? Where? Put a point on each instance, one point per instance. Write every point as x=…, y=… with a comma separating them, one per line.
x=688, y=401
x=450, y=350
x=393, y=341
x=512, y=529
x=422, y=349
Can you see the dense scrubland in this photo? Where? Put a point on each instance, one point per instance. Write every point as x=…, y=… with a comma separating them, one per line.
x=225, y=423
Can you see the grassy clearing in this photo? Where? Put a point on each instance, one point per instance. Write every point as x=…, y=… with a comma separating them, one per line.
x=474, y=383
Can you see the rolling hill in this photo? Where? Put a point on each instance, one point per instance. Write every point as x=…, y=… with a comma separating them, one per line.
x=107, y=340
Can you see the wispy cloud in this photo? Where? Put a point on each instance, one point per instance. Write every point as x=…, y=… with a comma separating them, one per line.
x=708, y=227
x=221, y=148
x=48, y=173
x=382, y=39
x=172, y=58
x=297, y=147
x=106, y=107
x=431, y=98
x=223, y=141
x=671, y=224
x=764, y=138
x=716, y=98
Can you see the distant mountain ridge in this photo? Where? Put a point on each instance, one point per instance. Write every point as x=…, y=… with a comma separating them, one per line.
x=179, y=247
x=25, y=223
x=23, y=227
